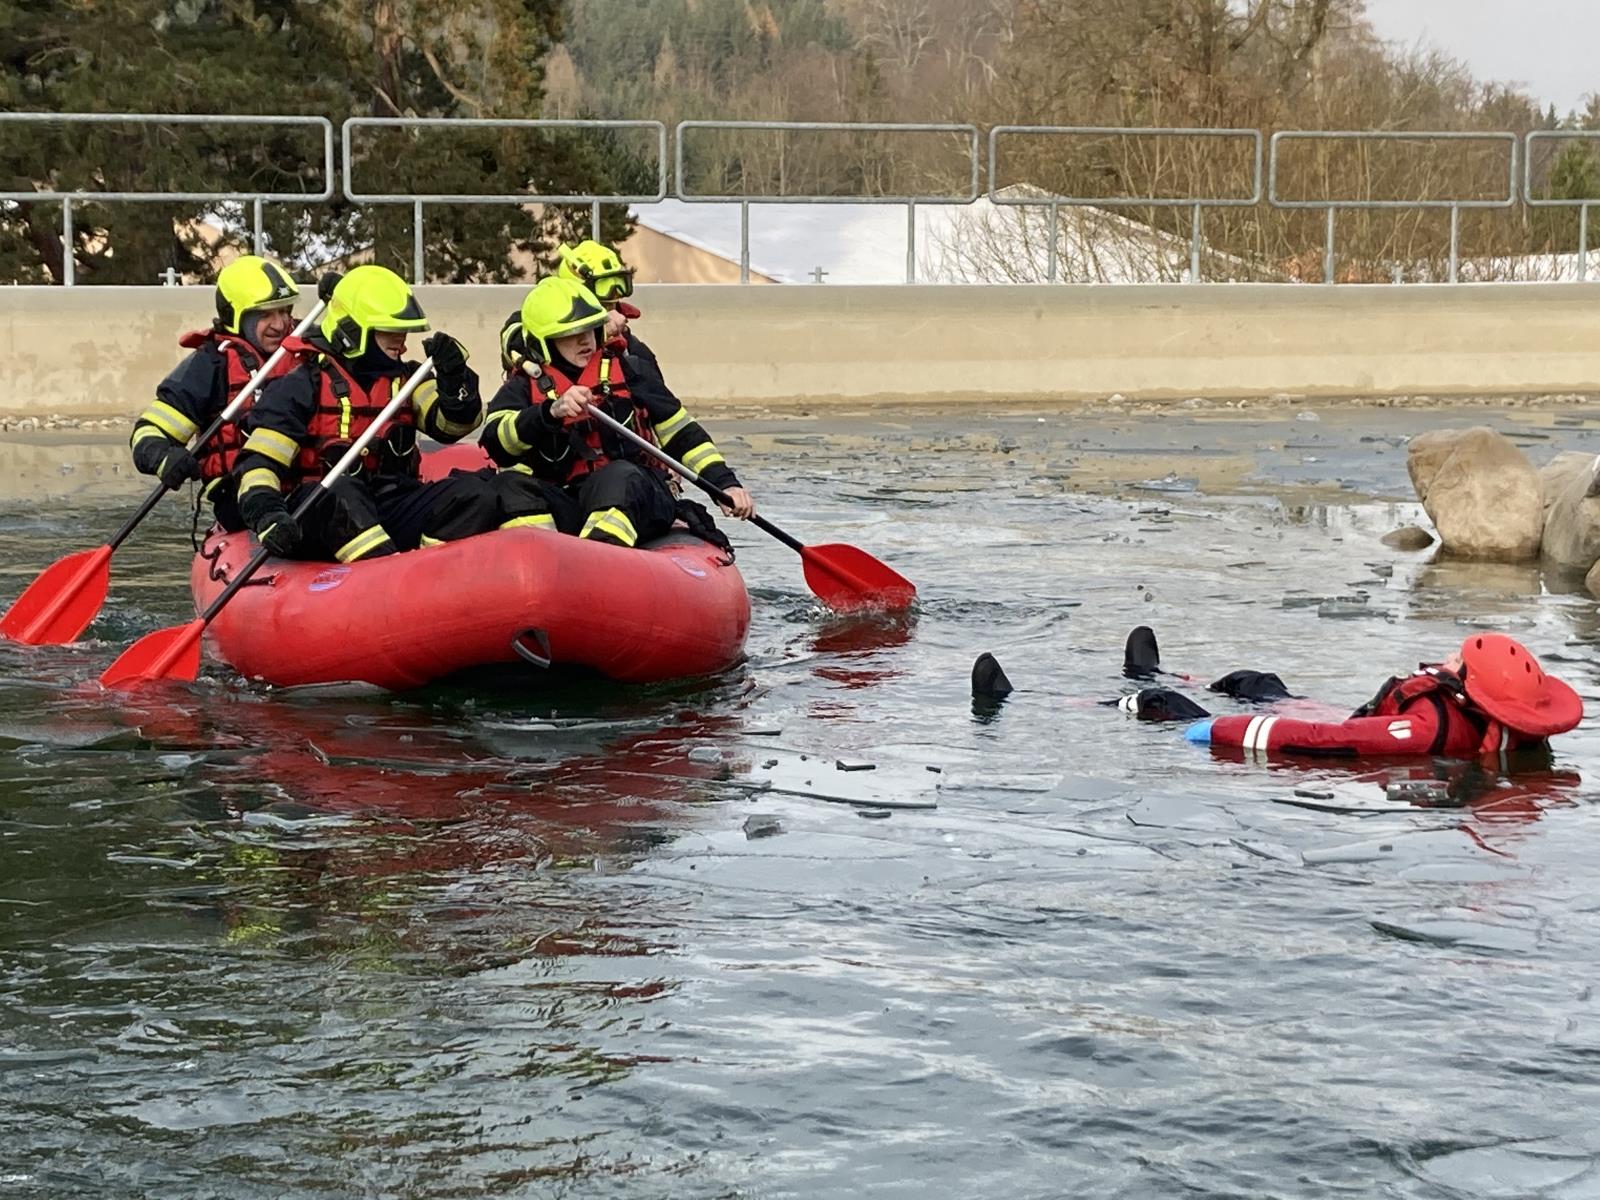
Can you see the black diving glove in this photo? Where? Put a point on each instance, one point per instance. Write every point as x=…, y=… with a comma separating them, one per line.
x=268, y=517
x=169, y=462
x=458, y=384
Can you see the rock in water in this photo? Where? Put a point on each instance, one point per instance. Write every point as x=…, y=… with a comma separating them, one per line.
x=1408, y=537
x=1480, y=491
x=1571, y=515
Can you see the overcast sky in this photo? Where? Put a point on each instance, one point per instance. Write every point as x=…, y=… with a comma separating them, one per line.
x=1551, y=47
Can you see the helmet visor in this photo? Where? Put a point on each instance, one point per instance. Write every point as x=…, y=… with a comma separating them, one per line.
x=613, y=287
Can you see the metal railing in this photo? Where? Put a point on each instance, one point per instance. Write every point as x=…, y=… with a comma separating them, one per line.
x=257, y=198
x=418, y=199
x=1581, y=205
x=965, y=175
x=745, y=200
x=1055, y=201
x=1333, y=204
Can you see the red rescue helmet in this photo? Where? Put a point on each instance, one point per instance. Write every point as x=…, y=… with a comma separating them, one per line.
x=1508, y=683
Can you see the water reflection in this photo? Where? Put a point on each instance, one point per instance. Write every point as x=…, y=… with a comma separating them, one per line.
x=850, y=649
x=490, y=939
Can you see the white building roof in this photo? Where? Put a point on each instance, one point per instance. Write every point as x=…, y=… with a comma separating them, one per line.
x=982, y=242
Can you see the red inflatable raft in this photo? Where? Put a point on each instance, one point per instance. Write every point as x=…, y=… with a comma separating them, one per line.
x=671, y=609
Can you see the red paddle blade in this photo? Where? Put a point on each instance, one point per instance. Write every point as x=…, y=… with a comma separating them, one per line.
x=60, y=603
x=171, y=653
x=847, y=579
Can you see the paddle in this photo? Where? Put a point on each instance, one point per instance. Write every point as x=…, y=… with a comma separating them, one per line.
x=58, y=605
x=842, y=577
x=174, y=652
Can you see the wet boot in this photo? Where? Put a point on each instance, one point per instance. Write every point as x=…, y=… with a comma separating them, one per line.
x=1258, y=686
x=1141, y=658
x=989, y=680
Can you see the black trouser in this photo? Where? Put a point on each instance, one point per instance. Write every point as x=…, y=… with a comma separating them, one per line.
x=526, y=500
x=358, y=518
x=623, y=503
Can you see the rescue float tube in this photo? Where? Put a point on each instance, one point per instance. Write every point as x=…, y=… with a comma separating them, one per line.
x=671, y=609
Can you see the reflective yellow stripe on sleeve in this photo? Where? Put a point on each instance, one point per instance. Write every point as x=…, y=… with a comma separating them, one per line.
x=169, y=420
x=143, y=431
x=702, y=456
x=279, y=447
x=668, y=429
x=364, y=543
x=504, y=424
x=427, y=398
x=261, y=477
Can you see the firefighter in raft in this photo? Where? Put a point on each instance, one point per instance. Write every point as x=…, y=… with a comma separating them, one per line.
x=600, y=269
x=255, y=302
x=305, y=421
x=539, y=425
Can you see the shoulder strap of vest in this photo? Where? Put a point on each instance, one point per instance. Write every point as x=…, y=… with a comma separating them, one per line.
x=195, y=338
x=323, y=367
x=1440, y=688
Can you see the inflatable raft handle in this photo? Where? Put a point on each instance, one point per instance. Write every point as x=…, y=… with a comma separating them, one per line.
x=539, y=652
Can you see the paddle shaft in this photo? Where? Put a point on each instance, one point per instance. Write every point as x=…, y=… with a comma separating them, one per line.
x=693, y=476
x=226, y=415
x=818, y=560
x=531, y=368
x=334, y=473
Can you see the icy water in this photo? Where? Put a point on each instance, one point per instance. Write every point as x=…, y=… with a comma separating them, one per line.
x=512, y=942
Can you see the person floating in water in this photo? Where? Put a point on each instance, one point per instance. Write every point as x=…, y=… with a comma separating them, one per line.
x=1490, y=697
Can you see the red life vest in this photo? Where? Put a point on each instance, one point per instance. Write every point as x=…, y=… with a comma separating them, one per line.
x=1447, y=694
x=595, y=444
x=344, y=411
x=242, y=360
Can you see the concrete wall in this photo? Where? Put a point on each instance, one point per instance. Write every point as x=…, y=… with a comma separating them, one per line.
x=102, y=349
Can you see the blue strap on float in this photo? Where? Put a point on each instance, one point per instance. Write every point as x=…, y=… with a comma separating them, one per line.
x=1200, y=732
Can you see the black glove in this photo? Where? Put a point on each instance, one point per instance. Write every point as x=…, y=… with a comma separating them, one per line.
x=449, y=360
x=268, y=517
x=172, y=463
x=326, y=284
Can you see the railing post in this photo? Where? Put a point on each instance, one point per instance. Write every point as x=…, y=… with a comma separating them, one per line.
x=744, y=241
x=416, y=241
x=1327, y=253
x=259, y=241
x=1194, y=247
x=1455, y=240
x=594, y=221
x=68, y=267
x=1052, y=265
x=1583, y=242
x=911, y=241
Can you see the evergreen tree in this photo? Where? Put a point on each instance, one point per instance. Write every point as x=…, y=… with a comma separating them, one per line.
x=334, y=58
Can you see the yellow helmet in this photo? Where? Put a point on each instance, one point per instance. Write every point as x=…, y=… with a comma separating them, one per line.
x=598, y=268
x=370, y=299
x=559, y=307
x=251, y=284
